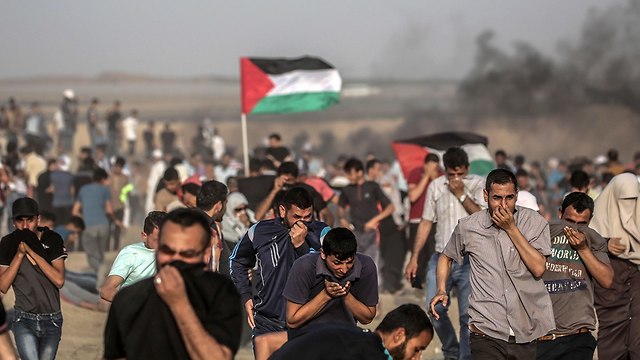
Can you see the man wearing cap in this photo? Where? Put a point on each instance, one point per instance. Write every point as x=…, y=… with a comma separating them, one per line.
x=32, y=262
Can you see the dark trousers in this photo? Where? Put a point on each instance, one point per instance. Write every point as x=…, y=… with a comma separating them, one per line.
x=572, y=347
x=484, y=347
x=425, y=253
x=114, y=231
x=618, y=311
x=392, y=253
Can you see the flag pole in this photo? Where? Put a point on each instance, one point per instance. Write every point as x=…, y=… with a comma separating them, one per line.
x=245, y=144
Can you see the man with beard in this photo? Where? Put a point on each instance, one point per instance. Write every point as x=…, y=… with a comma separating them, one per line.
x=183, y=312
x=333, y=286
x=275, y=244
x=507, y=245
x=402, y=335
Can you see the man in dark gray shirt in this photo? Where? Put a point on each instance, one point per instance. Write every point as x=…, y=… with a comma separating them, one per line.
x=578, y=256
x=509, y=307
x=336, y=285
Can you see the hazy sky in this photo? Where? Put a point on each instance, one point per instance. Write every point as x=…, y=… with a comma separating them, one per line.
x=363, y=38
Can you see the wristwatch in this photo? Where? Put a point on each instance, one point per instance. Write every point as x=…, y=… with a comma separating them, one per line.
x=462, y=198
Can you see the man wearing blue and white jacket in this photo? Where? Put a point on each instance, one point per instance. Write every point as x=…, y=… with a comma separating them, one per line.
x=275, y=244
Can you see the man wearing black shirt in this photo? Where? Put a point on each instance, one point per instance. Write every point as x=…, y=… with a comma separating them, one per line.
x=183, y=312
x=32, y=263
x=113, y=128
x=363, y=198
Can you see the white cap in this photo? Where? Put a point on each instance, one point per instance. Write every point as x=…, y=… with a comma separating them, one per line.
x=157, y=154
x=69, y=94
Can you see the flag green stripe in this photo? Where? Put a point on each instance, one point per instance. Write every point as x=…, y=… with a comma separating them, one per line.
x=481, y=167
x=298, y=102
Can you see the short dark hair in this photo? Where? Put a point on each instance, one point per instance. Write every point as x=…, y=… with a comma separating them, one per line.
x=185, y=217
x=100, y=174
x=521, y=172
x=191, y=188
x=120, y=161
x=579, y=179
x=500, y=177
x=48, y=215
x=77, y=222
x=153, y=220
x=340, y=242
x=580, y=201
x=455, y=157
x=211, y=192
x=288, y=167
x=431, y=157
x=275, y=136
x=612, y=155
x=371, y=163
x=297, y=196
x=353, y=164
x=501, y=152
x=171, y=174
x=410, y=317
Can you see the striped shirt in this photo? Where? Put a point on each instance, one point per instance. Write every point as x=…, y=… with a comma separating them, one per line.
x=443, y=207
x=504, y=293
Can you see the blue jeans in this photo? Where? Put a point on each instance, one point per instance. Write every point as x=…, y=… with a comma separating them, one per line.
x=37, y=335
x=459, y=277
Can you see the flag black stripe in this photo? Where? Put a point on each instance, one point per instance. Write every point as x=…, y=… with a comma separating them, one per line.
x=442, y=141
x=276, y=66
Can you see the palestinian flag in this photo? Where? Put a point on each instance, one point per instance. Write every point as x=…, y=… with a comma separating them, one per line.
x=279, y=85
x=411, y=152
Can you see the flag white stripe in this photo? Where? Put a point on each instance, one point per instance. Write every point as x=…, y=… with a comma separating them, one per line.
x=306, y=81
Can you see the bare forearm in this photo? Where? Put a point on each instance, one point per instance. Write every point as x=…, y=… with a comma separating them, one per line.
x=53, y=274
x=416, y=190
x=470, y=206
x=200, y=345
x=442, y=272
x=263, y=207
x=9, y=274
x=601, y=272
x=308, y=311
x=7, y=351
x=386, y=212
x=363, y=313
x=424, y=228
x=532, y=259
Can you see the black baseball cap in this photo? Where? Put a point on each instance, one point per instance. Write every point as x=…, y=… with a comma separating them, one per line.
x=24, y=207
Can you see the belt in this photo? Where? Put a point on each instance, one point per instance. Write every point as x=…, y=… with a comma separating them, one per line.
x=555, y=336
x=475, y=331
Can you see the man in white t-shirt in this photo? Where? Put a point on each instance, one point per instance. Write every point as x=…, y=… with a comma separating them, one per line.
x=130, y=130
x=136, y=261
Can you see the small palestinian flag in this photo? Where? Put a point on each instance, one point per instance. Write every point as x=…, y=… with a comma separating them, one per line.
x=279, y=85
x=411, y=152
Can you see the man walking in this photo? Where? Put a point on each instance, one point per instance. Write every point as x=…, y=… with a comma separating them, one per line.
x=507, y=246
x=32, y=262
x=184, y=312
x=275, y=244
x=578, y=256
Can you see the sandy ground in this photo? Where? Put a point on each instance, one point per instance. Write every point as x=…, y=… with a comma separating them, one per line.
x=82, y=334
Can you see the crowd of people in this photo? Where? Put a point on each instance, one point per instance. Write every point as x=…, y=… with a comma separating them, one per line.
x=539, y=256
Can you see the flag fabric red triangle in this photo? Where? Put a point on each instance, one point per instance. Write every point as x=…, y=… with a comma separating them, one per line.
x=255, y=84
x=410, y=156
